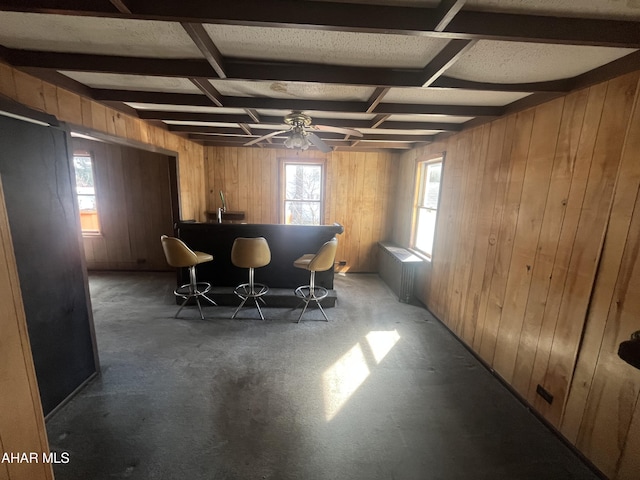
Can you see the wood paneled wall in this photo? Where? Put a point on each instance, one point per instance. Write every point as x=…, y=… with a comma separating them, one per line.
x=134, y=207
x=21, y=421
x=528, y=202
x=77, y=110
x=359, y=193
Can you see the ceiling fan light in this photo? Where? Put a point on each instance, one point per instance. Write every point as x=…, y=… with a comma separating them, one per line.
x=297, y=140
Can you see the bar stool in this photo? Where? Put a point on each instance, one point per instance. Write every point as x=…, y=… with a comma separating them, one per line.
x=179, y=256
x=316, y=262
x=250, y=253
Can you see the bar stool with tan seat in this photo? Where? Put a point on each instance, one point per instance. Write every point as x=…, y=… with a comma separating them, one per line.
x=316, y=262
x=250, y=253
x=180, y=256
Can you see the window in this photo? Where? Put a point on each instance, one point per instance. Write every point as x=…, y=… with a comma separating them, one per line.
x=302, y=195
x=426, y=205
x=86, y=191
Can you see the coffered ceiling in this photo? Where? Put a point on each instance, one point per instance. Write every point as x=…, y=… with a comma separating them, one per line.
x=398, y=72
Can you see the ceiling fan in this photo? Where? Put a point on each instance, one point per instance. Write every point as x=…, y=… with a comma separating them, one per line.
x=299, y=136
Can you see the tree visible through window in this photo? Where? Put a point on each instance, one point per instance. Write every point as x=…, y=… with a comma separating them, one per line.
x=302, y=193
x=85, y=189
x=426, y=206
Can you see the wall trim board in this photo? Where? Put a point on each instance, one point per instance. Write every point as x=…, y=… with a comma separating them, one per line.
x=18, y=109
x=70, y=397
x=127, y=142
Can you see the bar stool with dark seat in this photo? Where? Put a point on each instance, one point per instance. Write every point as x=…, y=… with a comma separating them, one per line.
x=179, y=256
x=250, y=253
x=316, y=262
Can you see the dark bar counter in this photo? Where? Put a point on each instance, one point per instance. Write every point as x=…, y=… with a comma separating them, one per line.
x=286, y=242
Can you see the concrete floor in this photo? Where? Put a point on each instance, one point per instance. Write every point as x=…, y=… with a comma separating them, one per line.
x=383, y=391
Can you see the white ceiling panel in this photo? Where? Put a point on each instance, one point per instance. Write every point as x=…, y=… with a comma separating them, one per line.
x=198, y=124
x=621, y=9
x=513, y=62
x=452, y=96
x=427, y=118
x=325, y=46
x=186, y=108
x=390, y=131
x=93, y=35
x=134, y=82
x=299, y=90
x=316, y=114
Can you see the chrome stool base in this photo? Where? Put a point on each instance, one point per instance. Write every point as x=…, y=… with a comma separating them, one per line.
x=311, y=293
x=194, y=289
x=187, y=292
x=250, y=290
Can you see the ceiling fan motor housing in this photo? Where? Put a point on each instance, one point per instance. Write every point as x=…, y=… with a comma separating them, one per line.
x=297, y=119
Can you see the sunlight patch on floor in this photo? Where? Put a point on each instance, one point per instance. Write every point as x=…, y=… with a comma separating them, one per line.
x=348, y=373
x=382, y=342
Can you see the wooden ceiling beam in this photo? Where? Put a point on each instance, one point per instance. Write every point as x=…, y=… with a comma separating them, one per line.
x=204, y=85
x=267, y=71
x=121, y=6
x=241, y=69
x=201, y=38
x=138, y=96
x=201, y=129
x=245, y=128
x=193, y=117
x=277, y=121
x=186, y=68
x=444, y=59
x=376, y=98
x=559, y=86
x=378, y=120
x=252, y=114
x=446, y=10
x=349, y=17
x=544, y=29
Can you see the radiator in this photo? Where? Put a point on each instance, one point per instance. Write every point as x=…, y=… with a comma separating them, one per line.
x=396, y=267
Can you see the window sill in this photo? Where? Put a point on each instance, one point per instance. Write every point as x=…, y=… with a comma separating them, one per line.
x=419, y=254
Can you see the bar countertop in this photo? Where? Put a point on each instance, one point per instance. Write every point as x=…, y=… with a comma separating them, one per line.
x=286, y=242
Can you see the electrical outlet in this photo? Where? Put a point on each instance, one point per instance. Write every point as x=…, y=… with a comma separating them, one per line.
x=544, y=394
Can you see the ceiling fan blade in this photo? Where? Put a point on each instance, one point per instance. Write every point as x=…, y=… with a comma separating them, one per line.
x=264, y=137
x=346, y=131
x=317, y=141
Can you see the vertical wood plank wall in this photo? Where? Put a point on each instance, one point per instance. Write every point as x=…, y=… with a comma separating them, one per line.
x=77, y=110
x=359, y=193
x=21, y=421
x=134, y=207
x=535, y=258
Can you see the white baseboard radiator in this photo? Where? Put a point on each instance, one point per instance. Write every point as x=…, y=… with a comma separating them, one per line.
x=396, y=267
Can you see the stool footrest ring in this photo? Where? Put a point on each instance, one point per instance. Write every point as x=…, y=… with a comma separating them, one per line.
x=193, y=290
x=249, y=290
x=317, y=293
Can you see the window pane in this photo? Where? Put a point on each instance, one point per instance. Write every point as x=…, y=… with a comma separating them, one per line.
x=84, y=172
x=86, y=193
x=432, y=187
x=425, y=229
x=302, y=213
x=303, y=182
x=87, y=202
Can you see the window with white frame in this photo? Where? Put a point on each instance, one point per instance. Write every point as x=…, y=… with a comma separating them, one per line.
x=302, y=192
x=426, y=205
x=86, y=192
